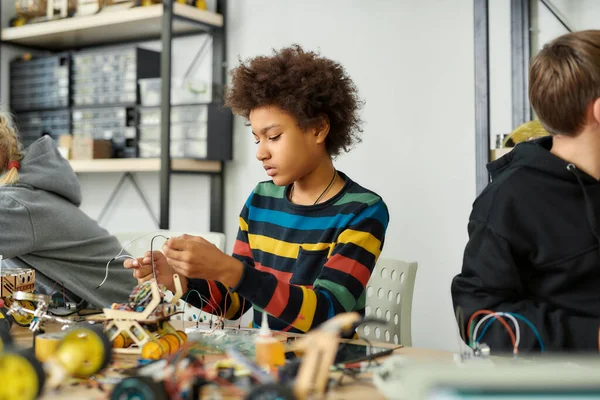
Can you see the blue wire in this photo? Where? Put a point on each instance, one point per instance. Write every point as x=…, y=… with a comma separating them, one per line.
x=517, y=316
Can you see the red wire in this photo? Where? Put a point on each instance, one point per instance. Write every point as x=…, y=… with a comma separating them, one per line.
x=500, y=319
x=211, y=301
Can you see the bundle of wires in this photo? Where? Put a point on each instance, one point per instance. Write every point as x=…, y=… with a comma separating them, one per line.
x=490, y=317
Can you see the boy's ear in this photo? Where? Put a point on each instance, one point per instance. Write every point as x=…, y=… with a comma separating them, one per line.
x=596, y=110
x=322, y=130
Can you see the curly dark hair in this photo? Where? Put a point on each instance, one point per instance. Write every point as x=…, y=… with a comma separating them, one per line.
x=303, y=84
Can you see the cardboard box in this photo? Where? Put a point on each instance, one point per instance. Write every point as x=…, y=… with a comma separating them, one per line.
x=65, y=144
x=87, y=148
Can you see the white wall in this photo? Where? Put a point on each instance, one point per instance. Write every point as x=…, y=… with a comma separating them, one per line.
x=413, y=64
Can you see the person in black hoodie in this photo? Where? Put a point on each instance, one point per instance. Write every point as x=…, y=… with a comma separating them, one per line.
x=534, y=244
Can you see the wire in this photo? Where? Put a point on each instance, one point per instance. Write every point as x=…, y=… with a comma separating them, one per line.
x=212, y=300
x=152, y=254
x=124, y=256
x=185, y=303
x=522, y=318
x=108, y=263
x=513, y=319
x=500, y=319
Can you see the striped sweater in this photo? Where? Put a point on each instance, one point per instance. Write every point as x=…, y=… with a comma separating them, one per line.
x=302, y=264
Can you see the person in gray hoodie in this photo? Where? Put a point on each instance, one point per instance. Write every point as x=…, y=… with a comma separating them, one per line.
x=42, y=226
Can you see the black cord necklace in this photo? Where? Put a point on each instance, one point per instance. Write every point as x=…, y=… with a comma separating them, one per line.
x=324, y=191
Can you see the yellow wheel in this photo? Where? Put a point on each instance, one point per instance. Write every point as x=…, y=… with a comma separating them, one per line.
x=24, y=319
x=22, y=375
x=153, y=350
x=183, y=336
x=166, y=346
x=119, y=342
x=174, y=342
x=84, y=351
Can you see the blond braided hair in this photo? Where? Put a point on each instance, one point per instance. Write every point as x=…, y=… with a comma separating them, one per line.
x=10, y=150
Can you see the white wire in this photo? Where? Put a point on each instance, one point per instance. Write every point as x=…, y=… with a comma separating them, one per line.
x=123, y=249
x=502, y=314
x=517, y=329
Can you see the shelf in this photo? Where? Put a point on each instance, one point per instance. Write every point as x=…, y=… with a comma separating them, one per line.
x=137, y=23
x=143, y=165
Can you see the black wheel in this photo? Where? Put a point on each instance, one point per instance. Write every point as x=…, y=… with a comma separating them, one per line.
x=139, y=388
x=5, y=338
x=271, y=391
x=5, y=320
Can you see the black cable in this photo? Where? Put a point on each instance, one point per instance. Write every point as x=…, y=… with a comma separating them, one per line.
x=152, y=255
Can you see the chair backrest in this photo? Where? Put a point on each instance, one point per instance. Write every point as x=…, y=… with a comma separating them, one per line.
x=139, y=242
x=389, y=297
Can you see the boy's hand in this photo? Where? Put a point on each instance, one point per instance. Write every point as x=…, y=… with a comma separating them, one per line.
x=195, y=257
x=142, y=270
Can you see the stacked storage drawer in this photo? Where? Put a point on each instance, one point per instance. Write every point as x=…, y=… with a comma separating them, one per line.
x=39, y=88
x=33, y=125
x=110, y=78
x=40, y=83
x=188, y=131
x=108, y=123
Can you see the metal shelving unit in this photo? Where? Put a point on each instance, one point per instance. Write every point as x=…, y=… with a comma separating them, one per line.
x=520, y=20
x=165, y=21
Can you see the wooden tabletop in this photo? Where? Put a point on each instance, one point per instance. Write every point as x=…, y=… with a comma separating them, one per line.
x=361, y=388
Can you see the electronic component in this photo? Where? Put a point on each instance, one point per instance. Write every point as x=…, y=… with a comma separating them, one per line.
x=141, y=326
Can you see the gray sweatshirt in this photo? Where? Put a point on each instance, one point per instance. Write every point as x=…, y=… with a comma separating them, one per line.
x=42, y=227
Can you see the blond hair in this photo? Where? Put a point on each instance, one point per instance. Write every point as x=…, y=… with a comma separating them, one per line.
x=10, y=148
x=563, y=79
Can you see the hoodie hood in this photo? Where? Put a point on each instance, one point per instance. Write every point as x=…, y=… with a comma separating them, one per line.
x=44, y=168
x=536, y=155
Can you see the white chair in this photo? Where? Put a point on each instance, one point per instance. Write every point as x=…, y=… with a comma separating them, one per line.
x=389, y=297
x=137, y=243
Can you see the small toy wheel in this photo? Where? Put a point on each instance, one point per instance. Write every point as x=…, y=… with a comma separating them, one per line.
x=6, y=320
x=153, y=350
x=139, y=387
x=22, y=376
x=5, y=338
x=174, y=341
x=24, y=319
x=182, y=335
x=84, y=351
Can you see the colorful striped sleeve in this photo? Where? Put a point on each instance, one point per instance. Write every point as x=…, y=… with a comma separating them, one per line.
x=218, y=299
x=340, y=287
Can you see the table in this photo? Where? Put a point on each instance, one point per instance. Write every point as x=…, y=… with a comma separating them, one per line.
x=360, y=389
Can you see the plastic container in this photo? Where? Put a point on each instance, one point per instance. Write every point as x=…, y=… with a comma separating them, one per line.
x=179, y=149
x=178, y=132
x=193, y=113
x=181, y=93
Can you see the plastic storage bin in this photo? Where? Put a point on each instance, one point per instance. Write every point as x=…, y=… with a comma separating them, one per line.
x=181, y=92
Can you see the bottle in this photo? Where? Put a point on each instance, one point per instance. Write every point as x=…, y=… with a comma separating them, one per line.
x=269, y=351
